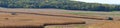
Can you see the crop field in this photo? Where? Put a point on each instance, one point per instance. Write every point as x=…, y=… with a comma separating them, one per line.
x=115, y=15
x=34, y=20
x=52, y=18
x=108, y=24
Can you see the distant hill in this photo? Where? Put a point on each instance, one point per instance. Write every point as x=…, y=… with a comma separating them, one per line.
x=60, y=4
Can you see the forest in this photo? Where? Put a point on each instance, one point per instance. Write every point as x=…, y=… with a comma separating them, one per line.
x=59, y=4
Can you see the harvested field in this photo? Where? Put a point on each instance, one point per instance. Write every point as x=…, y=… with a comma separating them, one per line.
x=51, y=13
x=34, y=20
x=48, y=18
x=97, y=15
x=109, y=24
x=67, y=26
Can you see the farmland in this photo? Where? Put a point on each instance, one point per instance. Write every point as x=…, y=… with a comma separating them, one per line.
x=52, y=18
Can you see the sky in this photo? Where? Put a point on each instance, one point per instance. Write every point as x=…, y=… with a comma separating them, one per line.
x=102, y=1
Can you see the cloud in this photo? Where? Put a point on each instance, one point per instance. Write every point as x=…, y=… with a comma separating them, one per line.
x=102, y=1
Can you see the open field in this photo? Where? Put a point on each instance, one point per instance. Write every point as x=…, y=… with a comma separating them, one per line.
x=52, y=18
x=115, y=15
x=53, y=12
x=108, y=24
x=34, y=20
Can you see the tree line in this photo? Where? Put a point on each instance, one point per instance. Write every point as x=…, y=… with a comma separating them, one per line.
x=59, y=4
